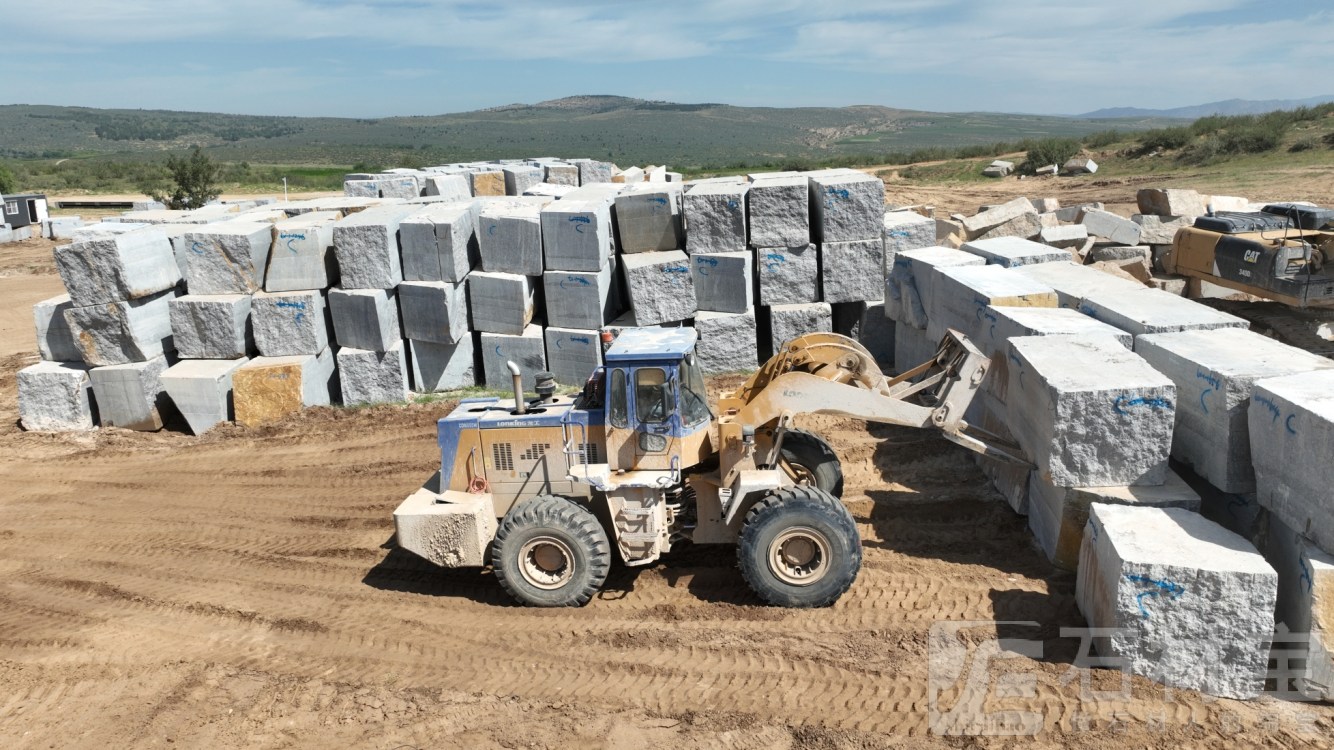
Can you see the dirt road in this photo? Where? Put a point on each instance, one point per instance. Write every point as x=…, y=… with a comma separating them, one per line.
x=242, y=590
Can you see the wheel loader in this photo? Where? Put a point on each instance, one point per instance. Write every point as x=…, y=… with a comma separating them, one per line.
x=547, y=490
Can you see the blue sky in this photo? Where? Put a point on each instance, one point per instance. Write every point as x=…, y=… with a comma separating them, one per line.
x=402, y=57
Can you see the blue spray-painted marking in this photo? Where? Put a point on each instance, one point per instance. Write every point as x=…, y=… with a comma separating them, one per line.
x=581, y=281
x=704, y=260
x=1306, y=575
x=491, y=230
x=291, y=237
x=901, y=234
x=300, y=306
x=1236, y=502
x=579, y=221
x=197, y=248
x=733, y=206
x=581, y=339
x=1172, y=589
x=1268, y=404
x=834, y=194
x=675, y=269
x=1121, y=403
x=1214, y=382
x=1287, y=424
x=498, y=352
x=775, y=260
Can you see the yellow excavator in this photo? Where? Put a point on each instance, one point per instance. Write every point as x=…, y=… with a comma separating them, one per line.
x=545, y=490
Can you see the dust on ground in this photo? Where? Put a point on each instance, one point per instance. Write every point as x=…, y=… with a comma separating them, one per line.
x=241, y=589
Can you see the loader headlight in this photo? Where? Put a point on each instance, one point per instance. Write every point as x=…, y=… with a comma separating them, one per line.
x=650, y=443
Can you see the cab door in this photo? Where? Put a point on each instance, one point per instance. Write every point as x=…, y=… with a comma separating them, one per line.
x=659, y=426
x=620, y=430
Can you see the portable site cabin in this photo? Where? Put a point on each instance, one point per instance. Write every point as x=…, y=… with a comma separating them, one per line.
x=22, y=210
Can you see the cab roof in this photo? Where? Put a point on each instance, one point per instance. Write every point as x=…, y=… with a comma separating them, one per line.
x=638, y=344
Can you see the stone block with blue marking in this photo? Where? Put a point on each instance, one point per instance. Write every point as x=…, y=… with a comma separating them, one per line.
x=723, y=281
x=648, y=217
x=660, y=286
x=365, y=318
x=435, y=311
x=1291, y=421
x=579, y=299
x=780, y=214
x=961, y=296
x=572, y=354
x=847, y=206
x=577, y=232
x=301, y=256
x=788, y=275
x=227, y=258
x=715, y=216
x=1177, y=598
x=528, y=350
x=908, y=287
x=509, y=238
x=1089, y=413
x=1215, y=371
x=289, y=324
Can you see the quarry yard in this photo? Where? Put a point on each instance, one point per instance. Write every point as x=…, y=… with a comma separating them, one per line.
x=241, y=589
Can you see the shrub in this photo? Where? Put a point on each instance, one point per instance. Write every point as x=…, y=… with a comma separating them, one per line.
x=1048, y=151
x=1164, y=139
x=1103, y=138
x=7, y=182
x=1305, y=144
x=194, y=181
x=1328, y=140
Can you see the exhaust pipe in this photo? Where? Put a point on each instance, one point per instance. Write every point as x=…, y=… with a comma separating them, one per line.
x=520, y=407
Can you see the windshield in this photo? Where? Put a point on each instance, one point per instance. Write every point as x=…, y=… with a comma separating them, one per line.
x=694, y=398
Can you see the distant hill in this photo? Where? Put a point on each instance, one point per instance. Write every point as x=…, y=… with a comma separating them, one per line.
x=1229, y=107
x=622, y=129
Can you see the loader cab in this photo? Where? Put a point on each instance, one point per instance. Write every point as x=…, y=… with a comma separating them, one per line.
x=657, y=410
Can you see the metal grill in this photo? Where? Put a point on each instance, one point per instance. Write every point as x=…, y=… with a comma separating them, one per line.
x=591, y=454
x=535, y=451
x=502, y=456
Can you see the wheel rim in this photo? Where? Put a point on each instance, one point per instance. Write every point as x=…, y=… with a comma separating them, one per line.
x=546, y=562
x=799, y=556
x=798, y=473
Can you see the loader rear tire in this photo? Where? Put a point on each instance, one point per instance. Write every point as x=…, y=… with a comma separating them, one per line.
x=550, y=552
x=807, y=456
x=799, y=548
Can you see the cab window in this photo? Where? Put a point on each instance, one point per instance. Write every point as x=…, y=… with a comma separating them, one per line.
x=618, y=411
x=652, y=395
x=694, y=399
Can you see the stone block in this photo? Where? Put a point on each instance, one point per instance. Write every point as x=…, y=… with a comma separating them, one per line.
x=227, y=257
x=961, y=294
x=1080, y=165
x=1046, y=205
x=979, y=224
x=399, y=186
x=561, y=174
x=846, y=207
x=1073, y=282
x=1188, y=603
x=520, y=177
x=1111, y=227
x=779, y=212
x=1010, y=252
x=487, y=182
x=1171, y=203
x=370, y=377
x=450, y=187
x=115, y=268
x=509, y=238
x=367, y=246
x=434, y=311
x=1144, y=310
x=201, y=389
x=715, y=217
x=1305, y=611
x=876, y=332
x=572, y=354
x=788, y=275
x=527, y=350
x=1058, y=516
x=908, y=288
x=500, y=302
x=1024, y=226
x=131, y=396
x=1072, y=213
x=443, y=367
x=301, y=256
x=579, y=299
x=632, y=175
x=912, y=347
x=723, y=281
x=591, y=171
x=55, y=342
x=577, y=233
x=440, y=242
x=1215, y=373
x=1089, y=413
x=1291, y=421
x=211, y=326
x=117, y=333
x=288, y=324
x=787, y=322
x=1005, y=323
x=907, y=230
x=660, y=286
x=1228, y=203
x=853, y=271
x=268, y=389
x=365, y=318
x=727, y=341
x=1160, y=230
x=56, y=397
x=649, y=218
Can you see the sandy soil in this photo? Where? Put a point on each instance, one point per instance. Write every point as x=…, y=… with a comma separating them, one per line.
x=242, y=590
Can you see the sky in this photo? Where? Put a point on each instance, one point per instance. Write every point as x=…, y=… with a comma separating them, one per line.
x=373, y=58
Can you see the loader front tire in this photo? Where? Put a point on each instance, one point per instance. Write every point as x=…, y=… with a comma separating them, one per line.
x=808, y=458
x=799, y=548
x=550, y=552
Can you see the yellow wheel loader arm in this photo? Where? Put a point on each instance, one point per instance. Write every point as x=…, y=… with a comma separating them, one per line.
x=827, y=373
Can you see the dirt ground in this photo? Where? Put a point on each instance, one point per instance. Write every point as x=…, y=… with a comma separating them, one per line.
x=242, y=590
